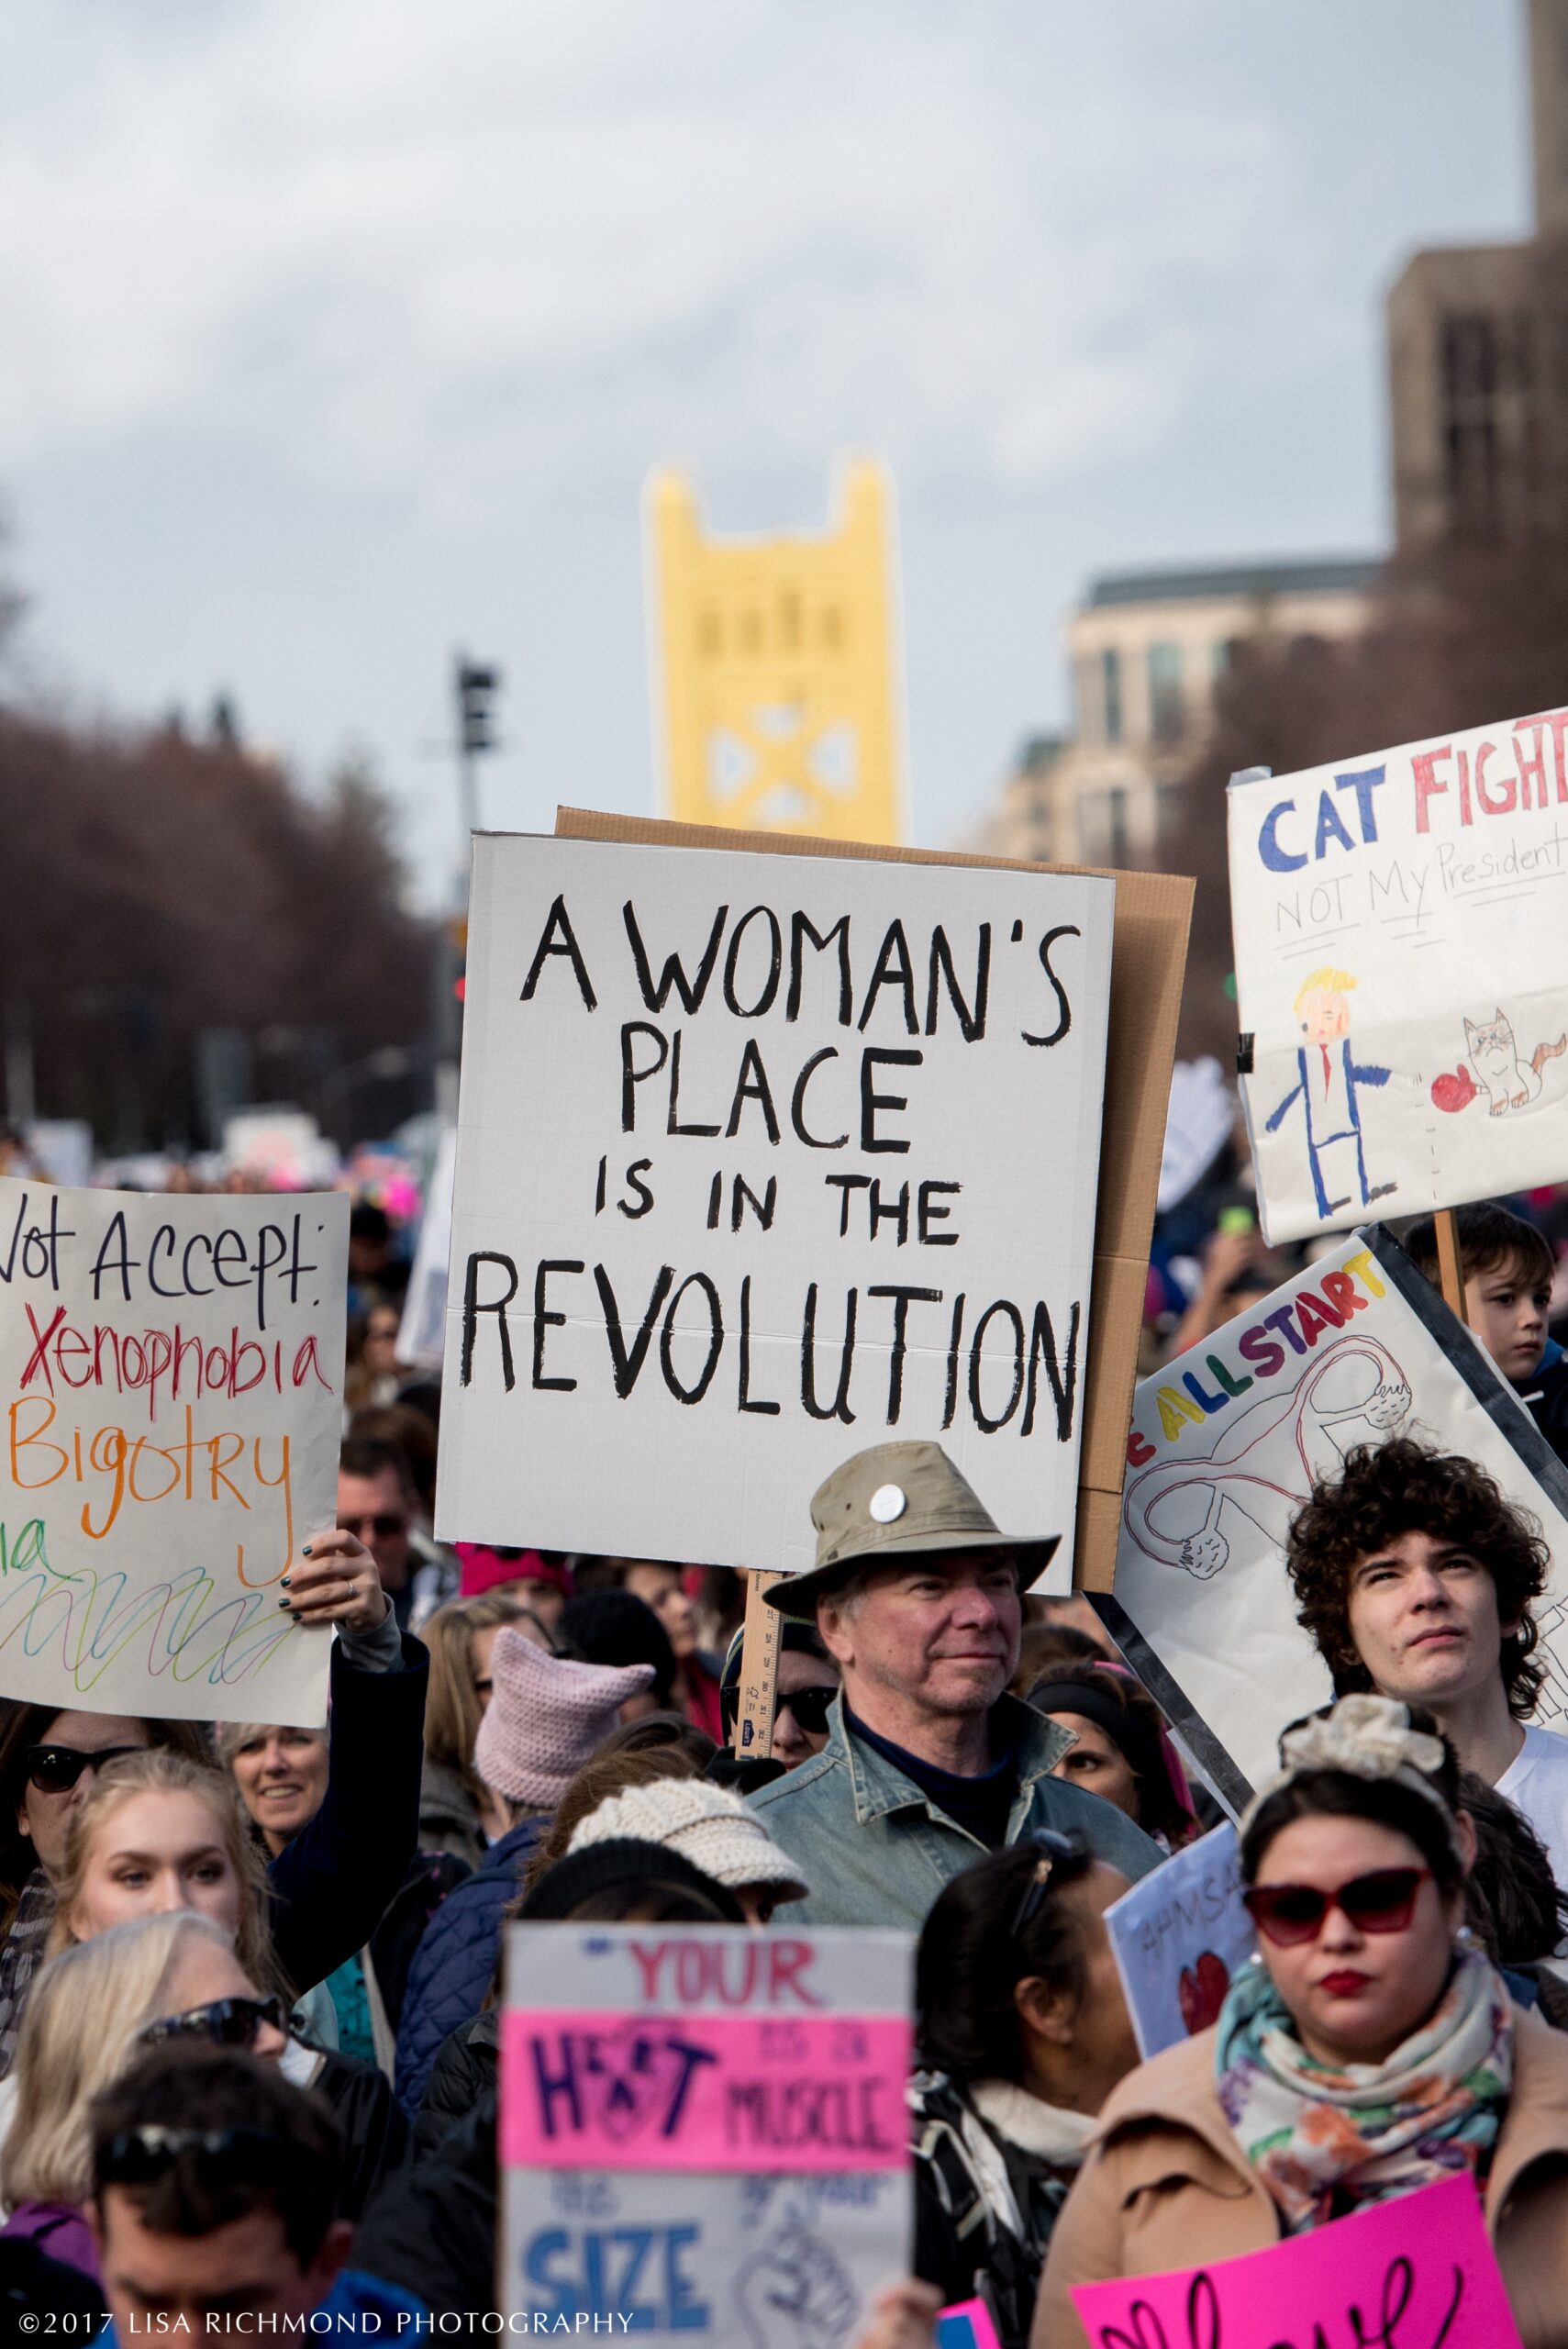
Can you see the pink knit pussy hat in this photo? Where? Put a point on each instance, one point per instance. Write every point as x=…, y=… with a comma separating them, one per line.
x=545, y=1718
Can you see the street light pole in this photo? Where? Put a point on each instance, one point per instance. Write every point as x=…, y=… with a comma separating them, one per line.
x=475, y=684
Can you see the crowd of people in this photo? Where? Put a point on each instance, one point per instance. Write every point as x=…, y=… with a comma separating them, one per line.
x=250, y=1974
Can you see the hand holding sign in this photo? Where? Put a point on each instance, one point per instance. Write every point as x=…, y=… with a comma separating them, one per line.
x=902, y=2318
x=334, y=1580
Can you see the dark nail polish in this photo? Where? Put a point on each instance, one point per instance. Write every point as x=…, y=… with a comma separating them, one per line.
x=283, y=1603
x=305, y=1549
x=286, y=1581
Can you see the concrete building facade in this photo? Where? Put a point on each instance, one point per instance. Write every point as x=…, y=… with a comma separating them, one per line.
x=1146, y=651
x=1478, y=353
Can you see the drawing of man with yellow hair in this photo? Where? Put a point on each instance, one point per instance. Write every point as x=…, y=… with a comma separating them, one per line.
x=1326, y=1090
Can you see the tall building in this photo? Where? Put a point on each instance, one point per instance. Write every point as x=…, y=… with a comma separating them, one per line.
x=1146, y=650
x=1478, y=352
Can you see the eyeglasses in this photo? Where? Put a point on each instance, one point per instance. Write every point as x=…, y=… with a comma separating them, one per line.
x=384, y=1525
x=227, y=2022
x=135, y=2157
x=54, y=1769
x=1052, y=1848
x=1381, y=1902
x=809, y=1707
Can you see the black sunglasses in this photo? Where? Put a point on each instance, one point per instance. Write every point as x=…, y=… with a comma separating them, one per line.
x=54, y=1769
x=810, y=1707
x=384, y=1524
x=227, y=2022
x=135, y=2156
x=1049, y=1848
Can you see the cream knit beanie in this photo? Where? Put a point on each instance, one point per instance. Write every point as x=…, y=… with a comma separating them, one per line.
x=706, y=1824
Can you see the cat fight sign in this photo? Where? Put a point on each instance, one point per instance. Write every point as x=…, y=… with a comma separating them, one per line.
x=1401, y=937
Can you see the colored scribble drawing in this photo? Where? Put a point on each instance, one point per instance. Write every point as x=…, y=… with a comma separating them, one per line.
x=1328, y=1082
x=183, y=1628
x=1507, y=1081
x=1266, y=1461
x=1552, y=1653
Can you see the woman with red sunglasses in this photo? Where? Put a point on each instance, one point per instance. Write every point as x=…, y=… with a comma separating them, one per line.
x=1370, y=2049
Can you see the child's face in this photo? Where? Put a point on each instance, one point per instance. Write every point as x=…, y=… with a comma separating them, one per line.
x=1506, y=1309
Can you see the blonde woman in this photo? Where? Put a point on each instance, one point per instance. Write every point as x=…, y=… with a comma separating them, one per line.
x=158, y=1834
x=87, y=2012
x=457, y=1813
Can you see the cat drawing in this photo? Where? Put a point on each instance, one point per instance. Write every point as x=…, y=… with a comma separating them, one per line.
x=1508, y=1082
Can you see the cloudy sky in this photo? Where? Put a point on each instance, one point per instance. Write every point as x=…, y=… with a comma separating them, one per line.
x=334, y=333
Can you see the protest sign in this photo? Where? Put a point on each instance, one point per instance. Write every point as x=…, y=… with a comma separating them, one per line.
x=171, y=1376
x=1179, y=1937
x=966, y=2325
x=1197, y=1126
x=1153, y=912
x=284, y=1147
x=1225, y=1445
x=1401, y=974
x=704, y=2131
x=1418, y=2269
x=760, y=1162
x=421, y=1335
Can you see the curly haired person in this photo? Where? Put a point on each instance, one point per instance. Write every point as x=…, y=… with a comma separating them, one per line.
x=1416, y=1576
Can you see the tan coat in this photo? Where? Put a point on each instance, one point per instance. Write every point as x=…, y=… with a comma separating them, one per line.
x=1166, y=2185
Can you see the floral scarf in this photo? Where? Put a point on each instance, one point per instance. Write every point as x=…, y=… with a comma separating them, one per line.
x=1326, y=2139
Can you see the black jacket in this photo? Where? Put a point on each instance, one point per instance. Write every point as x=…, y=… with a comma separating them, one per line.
x=1548, y=1404
x=432, y=2226
x=985, y=2207
x=431, y=1877
x=465, y=2071
x=375, y=2136
x=333, y=1881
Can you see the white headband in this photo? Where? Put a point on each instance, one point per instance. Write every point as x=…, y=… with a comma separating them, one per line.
x=1367, y=1737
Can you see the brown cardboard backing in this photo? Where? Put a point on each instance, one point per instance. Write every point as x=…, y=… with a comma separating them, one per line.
x=1149, y=950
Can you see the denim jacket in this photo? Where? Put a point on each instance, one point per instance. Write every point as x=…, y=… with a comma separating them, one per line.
x=877, y=1853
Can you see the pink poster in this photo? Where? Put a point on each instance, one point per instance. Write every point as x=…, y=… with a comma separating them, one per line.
x=700, y=2091
x=1419, y=2270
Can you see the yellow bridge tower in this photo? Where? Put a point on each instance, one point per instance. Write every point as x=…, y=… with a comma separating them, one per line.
x=776, y=666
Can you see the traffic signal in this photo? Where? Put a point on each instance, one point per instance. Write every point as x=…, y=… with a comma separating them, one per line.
x=477, y=684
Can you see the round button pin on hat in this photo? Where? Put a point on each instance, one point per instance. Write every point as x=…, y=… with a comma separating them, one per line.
x=897, y=1501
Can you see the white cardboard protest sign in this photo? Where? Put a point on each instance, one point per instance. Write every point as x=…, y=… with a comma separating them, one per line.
x=761, y=1161
x=704, y=2130
x=1225, y=1445
x=1401, y=974
x=1179, y=1938
x=421, y=1334
x=172, y=1380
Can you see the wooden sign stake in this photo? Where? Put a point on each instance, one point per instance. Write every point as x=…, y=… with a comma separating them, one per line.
x=1450, y=1270
x=760, y=1645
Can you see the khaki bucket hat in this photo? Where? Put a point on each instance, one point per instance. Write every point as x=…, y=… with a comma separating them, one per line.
x=897, y=1500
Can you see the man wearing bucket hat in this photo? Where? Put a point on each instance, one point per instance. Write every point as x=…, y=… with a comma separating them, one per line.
x=928, y=1762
